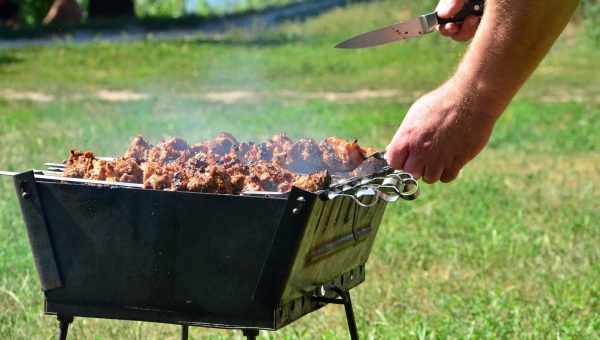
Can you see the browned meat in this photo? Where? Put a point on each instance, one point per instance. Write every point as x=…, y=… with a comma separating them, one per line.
x=79, y=164
x=127, y=170
x=266, y=176
x=340, y=155
x=215, y=179
x=222, y=144
x=305, y=157
x=138, y=149
x=169, y=151
x=223, y=165
x=251, y=152
x=157, y=177
x=279, y=144
x=313, y=182
x=369, y=167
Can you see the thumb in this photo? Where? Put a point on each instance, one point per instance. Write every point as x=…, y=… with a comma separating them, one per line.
x=449, y=8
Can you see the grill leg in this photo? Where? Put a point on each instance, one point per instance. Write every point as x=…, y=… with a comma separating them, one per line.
x=349, y=313
x=250, y=334
x=185, y=329
x=63, y=327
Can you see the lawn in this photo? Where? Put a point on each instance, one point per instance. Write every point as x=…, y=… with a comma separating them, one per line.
x=510, y=250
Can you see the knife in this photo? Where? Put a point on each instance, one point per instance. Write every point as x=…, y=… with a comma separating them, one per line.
x=412, y=28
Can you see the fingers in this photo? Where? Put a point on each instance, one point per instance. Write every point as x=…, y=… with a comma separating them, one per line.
x=414, y=166
x=433, y=173
x=449, y=174
x=449, y=8
x=449, y=30
x=467, y=29
x=396, y=156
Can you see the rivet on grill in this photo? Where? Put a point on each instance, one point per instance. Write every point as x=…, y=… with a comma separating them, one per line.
x=296, y=211
x=25, y=194
x=323, y=291
x=301, y=199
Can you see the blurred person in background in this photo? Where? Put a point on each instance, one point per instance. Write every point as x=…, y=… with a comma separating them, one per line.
x=64, y=12
x=448, y=127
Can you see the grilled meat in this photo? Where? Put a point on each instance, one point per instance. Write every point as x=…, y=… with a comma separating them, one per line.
x=86, y=165
x=138, y=149
x=223, y=165
x=169, y=151
x=313, y=182
x=340, y=156
x=305, y=157
x=79, y=164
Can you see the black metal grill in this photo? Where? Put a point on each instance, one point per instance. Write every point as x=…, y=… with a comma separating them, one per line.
x=252, y=261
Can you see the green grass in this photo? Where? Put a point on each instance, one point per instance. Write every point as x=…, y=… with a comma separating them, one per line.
x=510, y=250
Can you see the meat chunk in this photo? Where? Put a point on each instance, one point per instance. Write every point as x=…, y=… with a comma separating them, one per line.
x=279, y=145
x=369, y=167
x=79, y=164
x=138, y=149
x=126, y=170
x=305, y=157
x=157, y=177
x=313, y=182
x=251, y=152
x=169, y=151
x=222, y=144
x=223, y=165
x=340, y=155
x=266, y=176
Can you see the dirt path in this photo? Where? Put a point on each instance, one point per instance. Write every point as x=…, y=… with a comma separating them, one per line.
x=244, y=96
x=224, y=97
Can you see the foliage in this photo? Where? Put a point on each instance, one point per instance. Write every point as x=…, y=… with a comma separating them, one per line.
x=34, y=11
x=162, y=8
x=591, y=16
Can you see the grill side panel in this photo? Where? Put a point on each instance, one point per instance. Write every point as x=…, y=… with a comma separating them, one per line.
x=336, y=245
x=197, y=256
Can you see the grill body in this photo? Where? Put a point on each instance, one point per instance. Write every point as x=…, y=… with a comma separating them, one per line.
x=192, y=258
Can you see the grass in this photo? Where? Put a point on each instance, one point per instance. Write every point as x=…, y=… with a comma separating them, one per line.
x=510, y=250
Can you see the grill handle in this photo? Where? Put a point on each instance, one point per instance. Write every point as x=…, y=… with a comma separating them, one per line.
x=389, y=189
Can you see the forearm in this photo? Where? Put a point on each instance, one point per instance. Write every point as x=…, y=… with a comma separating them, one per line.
x=514, y=36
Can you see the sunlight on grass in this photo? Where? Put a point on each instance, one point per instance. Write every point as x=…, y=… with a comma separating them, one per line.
x=510, y=250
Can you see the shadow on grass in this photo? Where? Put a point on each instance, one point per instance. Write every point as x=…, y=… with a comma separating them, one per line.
x=9, y=59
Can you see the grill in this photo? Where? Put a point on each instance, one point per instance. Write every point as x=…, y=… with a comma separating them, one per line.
x=249, y=262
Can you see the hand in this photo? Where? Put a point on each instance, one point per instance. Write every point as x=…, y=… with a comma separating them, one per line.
x=459, y=32
x=440, y=133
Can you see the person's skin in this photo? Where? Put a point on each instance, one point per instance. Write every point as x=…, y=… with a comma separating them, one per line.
x=448, y=127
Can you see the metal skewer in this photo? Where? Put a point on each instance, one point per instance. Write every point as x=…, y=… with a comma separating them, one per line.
x=51, y=177
x=8, y=173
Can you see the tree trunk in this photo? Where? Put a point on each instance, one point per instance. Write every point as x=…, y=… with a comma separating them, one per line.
x=106, y=9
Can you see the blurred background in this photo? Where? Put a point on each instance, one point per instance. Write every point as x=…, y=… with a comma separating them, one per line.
x=510, y=250
x=28, y=14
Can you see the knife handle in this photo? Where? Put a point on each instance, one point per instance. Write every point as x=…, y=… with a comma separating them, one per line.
x=472, y=7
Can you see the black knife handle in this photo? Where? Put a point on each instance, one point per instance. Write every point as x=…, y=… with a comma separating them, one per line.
x=472, y=7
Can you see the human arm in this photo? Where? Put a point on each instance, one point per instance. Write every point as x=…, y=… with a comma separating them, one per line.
x=448, y=127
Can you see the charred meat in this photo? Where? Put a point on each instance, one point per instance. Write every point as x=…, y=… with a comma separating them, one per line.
x=224, y=165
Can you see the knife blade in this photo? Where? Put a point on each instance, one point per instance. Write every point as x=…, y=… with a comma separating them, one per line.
x=411, y=29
